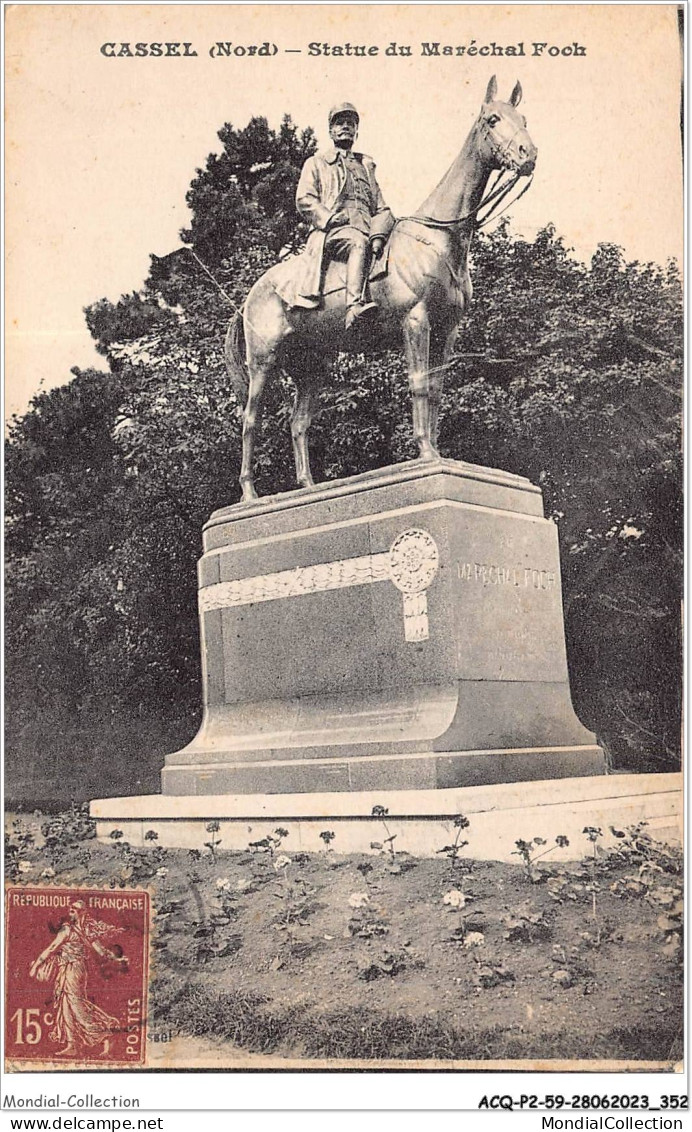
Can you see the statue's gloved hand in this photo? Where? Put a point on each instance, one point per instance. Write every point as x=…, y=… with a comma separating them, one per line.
x=337, y=220
x=377, y=246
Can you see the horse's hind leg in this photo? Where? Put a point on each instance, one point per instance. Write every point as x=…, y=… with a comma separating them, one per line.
x=265, y=328
x=259, y=372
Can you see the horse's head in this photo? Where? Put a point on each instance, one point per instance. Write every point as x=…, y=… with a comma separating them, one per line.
x=504, y=139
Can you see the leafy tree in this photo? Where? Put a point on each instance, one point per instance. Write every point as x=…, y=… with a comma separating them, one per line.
x=569, y=374
x=109, y=480
x=587, y=404
x=245, y=195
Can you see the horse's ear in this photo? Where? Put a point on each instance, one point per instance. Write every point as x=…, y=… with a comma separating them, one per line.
x=491, y=91
x=515, y=96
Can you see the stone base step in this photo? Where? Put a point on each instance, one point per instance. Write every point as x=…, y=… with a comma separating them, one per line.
x=422, y=820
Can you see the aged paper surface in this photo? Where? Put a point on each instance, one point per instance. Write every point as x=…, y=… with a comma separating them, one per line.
x=106, y=182
x=110, y=111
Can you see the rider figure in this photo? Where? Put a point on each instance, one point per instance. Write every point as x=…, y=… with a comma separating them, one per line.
x=339, y=194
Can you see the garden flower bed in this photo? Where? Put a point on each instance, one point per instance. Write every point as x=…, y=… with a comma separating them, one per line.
x=393, y=957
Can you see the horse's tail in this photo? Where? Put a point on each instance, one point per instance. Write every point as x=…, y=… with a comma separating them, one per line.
x=234, y=353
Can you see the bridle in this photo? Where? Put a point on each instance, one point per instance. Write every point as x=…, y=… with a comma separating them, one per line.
x=493, y=196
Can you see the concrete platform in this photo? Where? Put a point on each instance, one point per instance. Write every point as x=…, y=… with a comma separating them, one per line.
x=422, y=820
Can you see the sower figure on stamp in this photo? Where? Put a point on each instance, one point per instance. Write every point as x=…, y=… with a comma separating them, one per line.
x=339, y=194
x=78, y=1021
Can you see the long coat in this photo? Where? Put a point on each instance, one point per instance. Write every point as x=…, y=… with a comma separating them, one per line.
x=318, y=197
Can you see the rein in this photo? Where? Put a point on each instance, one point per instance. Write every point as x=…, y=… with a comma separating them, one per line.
x=493, y=214
x=493, y=198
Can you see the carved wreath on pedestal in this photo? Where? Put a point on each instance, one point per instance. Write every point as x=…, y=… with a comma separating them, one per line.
x=413, y=563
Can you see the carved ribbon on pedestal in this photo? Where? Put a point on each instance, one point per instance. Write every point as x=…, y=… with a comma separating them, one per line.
x=410, y=564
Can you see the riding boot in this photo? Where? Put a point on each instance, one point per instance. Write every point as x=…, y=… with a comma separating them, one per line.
x=357, y=304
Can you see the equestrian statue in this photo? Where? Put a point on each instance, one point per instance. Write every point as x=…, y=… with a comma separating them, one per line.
x=365, y=277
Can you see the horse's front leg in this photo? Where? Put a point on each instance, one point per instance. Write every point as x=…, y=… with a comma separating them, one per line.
x=441, y=350
x=303, y=412
x=417, y=340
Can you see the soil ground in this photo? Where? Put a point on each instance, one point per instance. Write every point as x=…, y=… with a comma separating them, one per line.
x=397, y=958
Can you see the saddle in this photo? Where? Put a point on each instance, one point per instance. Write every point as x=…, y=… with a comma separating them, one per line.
x=287, y=273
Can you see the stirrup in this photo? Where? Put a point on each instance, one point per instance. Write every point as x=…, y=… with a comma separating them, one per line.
x=358, y=311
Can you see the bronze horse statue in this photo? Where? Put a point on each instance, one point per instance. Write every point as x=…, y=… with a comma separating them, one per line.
x=422, y=295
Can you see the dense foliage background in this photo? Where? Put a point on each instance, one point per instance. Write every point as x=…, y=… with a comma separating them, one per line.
x=568, y=374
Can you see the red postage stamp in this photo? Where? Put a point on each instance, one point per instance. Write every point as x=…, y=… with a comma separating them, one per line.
x=76, y=976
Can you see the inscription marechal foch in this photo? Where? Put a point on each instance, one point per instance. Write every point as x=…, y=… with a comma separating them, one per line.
x=489, y=574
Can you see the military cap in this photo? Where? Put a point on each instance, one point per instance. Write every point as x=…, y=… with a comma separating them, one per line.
x=343, y=108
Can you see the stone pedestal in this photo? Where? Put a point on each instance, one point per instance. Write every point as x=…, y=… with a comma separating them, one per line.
x=401, y=629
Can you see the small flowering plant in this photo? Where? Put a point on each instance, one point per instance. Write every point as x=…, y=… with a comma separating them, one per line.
x=387, y=844
x=456, y=901
x=365, y=922
x=271, y=843
x=358, y=900
x=527, y=851
x=65, y=832
x=473, y=939
x=526, y=925
x=213, y=843
x=226, y=897
x=18, y=846
x=295, y=894
x=594, y=834
x=453, y=851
